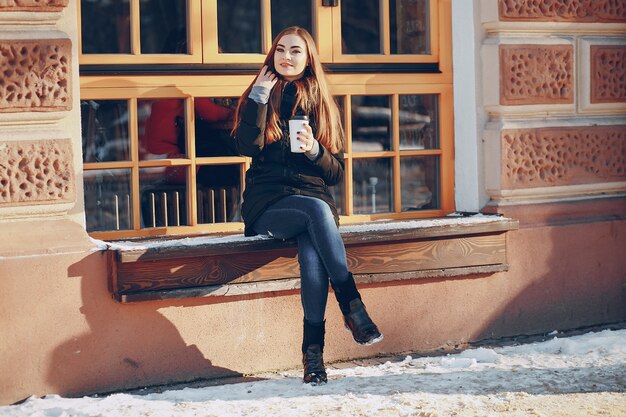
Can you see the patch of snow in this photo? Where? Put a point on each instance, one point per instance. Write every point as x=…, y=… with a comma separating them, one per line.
x=571, y=376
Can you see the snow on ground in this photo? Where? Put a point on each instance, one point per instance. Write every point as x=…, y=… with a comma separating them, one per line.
x=581, y=375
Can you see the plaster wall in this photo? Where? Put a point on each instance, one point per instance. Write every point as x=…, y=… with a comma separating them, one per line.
x=63, y=333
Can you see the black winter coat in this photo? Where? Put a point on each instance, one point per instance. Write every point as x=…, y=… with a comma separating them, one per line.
x=276, y=172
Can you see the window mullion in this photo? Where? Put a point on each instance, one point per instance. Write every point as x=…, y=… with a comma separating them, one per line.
x=395, y=131
x=347, y=178
x=266, y=25
x=135, y=30
x=385, y=27
x=134, y=157
x=190, y=136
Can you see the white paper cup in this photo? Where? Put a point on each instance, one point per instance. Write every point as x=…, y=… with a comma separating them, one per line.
x=295, y=125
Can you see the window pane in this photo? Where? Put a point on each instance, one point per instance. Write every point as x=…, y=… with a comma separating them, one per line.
x=360, y=27
x=105, y=26
x=409, y=26
x=287, y=13
x=163, y=202
x=420, y=183
x=373, y=191
x=371, y=123
x=108, y=200
x=219, y=194
x=419, y=121
x=161, y=127
x=163, y=27
x=239, y=26
x=105, y=130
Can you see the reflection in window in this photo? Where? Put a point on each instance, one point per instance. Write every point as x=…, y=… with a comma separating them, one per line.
x=218, y=194
x=420, y=183
x=163, y=27
x=287, y=13
x=239, y=26
x=360, y=27
x=163, y=203
x=108, y=200
x=105, y=26
x=161, y=130
x=419, y=121
x=373, y=191
x=105, y=130
x=371, y=123
x=409, y=26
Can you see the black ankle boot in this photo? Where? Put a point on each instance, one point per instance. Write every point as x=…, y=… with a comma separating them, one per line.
x=355, y=316
x=313, y=353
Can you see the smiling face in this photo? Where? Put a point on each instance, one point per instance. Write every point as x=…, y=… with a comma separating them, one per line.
x=290, y=57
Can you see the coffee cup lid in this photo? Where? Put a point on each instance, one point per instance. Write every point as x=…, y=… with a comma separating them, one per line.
x=300, y=117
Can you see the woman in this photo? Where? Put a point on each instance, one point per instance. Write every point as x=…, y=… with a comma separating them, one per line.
x=286, y=194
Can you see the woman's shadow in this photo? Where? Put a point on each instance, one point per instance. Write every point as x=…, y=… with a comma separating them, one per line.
x=124, y=346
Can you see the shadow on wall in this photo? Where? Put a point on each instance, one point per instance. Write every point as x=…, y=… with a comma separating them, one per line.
x=126, y=346
x=562, y=277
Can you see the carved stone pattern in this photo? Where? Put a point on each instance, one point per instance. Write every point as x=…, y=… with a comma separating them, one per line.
x=36, y=172
x=608, y=74
x=536, y=74
x=33, y=5
x=35, y=75
x=563, y=156
x=600, y=11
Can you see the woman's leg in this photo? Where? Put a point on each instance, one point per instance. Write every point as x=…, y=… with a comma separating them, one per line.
x=314, y=280
x=296, y=214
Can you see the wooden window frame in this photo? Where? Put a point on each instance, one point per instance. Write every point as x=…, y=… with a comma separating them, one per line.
x=194, y=33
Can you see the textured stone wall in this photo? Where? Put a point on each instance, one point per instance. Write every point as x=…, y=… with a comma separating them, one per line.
x=608, y=74
x=558, y=119
x=536, y=74
x=39, y=126
x=563, y=10
x=36, y=172
x=563, y=156
x=33, y=5
x=35, y=75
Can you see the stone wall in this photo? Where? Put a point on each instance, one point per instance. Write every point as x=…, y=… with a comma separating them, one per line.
x=557, y=125
x=40, y=161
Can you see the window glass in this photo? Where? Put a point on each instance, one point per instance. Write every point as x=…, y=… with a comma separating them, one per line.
x=419, y=121
x=105, y=130
x=163, y=27
x=371, y=123
x=287, y=13
x=163, y=202
x=239, y=26
x=108, y=199
x=420, y=183
x=409, y=26
x=161, y=127
x=218, y=193
x=373, y=191
x=360, y=27
x=105, y=26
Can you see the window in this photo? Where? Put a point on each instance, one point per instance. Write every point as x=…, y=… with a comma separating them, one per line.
x=160, y=80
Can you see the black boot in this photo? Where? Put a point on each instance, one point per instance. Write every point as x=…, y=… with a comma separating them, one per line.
x=313, y=353
x=355, y=316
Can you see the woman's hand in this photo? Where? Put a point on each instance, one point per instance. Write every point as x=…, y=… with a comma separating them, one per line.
x=305, y=136
x=266, y=79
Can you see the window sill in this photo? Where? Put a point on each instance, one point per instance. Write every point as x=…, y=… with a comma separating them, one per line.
x=377, y=252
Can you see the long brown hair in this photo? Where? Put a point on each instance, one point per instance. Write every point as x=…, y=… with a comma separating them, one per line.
x=313, y=96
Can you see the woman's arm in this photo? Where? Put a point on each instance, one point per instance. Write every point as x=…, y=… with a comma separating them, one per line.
x=330, y=166
x=250, y=135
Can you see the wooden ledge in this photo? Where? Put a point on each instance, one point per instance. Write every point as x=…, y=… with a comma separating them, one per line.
x=145, y=250
x=377, y=252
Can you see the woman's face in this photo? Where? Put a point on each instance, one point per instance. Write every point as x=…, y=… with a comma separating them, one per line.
x=290, y=57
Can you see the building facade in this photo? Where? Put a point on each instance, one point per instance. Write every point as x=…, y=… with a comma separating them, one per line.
x=122, y=262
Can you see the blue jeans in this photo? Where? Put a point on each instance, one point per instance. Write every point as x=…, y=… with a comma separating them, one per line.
x=321, y=252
